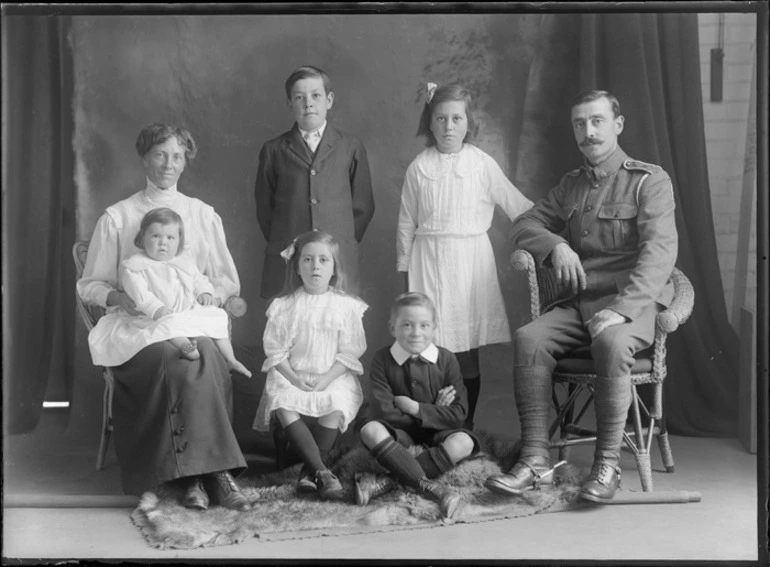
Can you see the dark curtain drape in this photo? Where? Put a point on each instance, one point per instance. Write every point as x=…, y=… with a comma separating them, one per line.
x=651, y=63
x=38, y=216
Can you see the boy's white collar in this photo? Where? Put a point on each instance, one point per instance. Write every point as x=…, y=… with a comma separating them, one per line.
x=400, y=355
x=320, y=130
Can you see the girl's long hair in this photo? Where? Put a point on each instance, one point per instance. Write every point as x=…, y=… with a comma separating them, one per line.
x=293, y=280
x=444, y=94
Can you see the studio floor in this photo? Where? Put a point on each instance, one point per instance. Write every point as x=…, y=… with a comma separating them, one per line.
x=57, y=506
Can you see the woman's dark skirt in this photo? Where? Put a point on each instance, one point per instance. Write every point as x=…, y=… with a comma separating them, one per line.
x=172, y=416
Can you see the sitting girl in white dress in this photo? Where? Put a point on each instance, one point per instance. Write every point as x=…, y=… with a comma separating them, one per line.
x=173, y=300
x=313, y=340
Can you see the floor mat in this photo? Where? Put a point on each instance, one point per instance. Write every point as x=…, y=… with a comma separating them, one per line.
x=279, y=513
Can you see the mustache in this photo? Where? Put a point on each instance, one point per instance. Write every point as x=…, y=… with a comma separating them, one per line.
x=591, y=142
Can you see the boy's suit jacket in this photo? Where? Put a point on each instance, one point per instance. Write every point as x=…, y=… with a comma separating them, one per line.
x=297, y=191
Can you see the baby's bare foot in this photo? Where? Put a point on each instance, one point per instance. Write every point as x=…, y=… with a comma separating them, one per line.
x=190, y=350
x=235, y=366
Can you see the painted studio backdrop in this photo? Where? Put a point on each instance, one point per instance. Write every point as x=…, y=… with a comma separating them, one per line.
x=222, y=78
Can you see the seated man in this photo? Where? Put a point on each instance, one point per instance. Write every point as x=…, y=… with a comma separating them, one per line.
x=608, y=231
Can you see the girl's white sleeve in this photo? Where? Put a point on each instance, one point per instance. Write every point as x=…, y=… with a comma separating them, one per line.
x=219, y=265
x=276, y=341
x=407, y=220
x=352, y=339
x=100, y=274
x=137, y=289
x=503, y=192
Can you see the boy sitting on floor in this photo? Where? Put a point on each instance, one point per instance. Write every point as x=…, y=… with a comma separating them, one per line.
x=418, y=398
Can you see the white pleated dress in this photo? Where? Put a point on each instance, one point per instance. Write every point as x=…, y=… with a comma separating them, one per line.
x=313, y=332
x=447, y=206
x=152, y=284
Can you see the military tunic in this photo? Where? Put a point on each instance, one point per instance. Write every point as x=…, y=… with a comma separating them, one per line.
x=619, y=218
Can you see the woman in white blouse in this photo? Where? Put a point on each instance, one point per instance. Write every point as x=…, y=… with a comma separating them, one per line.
x=171, y=414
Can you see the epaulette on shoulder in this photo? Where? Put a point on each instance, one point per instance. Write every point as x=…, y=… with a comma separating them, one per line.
x=574, y=172
x=632, y=164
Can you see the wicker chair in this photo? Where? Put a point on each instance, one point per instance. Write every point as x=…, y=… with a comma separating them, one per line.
x=576, y=374
x=235, y=307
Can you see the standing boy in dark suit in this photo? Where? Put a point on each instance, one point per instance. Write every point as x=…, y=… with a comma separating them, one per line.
x=313, y=177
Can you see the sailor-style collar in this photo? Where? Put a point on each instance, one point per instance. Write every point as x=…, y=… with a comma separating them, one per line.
x=400, y=355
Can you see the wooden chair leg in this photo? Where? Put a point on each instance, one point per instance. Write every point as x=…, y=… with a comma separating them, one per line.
x=641, y=444
x=665, y=447
x=645, y=470
x=104, y=442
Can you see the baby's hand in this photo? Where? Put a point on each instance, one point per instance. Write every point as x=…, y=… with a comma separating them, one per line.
x=162, y=312
x=446, y=396
x=206, y=299
x=407, y=405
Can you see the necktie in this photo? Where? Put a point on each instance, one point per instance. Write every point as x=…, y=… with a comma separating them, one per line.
x=312, y=139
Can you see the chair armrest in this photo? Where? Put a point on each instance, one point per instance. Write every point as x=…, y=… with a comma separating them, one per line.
x=681, y=306
x=235, y=306
x=522, y=261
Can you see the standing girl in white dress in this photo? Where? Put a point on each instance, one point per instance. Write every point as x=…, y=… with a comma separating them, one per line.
x=313, y=341
x=174, y=298
x=447, y=204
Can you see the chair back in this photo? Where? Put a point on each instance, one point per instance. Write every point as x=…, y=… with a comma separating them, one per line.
x=89, y=313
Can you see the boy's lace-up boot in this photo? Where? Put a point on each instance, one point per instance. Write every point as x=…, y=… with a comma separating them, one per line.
x=448, y=500
x=224, y=491
x=370, y=485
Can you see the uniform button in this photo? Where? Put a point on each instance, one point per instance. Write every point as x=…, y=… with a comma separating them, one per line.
x=182, y=448
x=585, y=233
x=617, y=214
x=588, y=208
x=603, y=174
x=314, y=201
x=312, y=172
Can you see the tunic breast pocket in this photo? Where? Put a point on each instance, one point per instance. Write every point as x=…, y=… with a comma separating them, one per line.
x=617, y=226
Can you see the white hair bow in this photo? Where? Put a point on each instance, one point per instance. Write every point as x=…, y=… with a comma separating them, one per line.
x=431, y=87
x=288, y=252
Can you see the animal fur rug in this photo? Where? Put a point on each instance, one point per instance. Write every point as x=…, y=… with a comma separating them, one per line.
x=279, y=513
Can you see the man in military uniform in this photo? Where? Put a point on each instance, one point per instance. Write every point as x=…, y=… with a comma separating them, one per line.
x=608, y=232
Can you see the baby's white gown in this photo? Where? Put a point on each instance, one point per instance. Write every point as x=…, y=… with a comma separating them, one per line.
x=174, y=284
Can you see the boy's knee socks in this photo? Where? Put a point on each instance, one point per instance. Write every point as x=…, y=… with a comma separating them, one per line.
x=302, y=439
x=397, y=459
x=435, y=461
